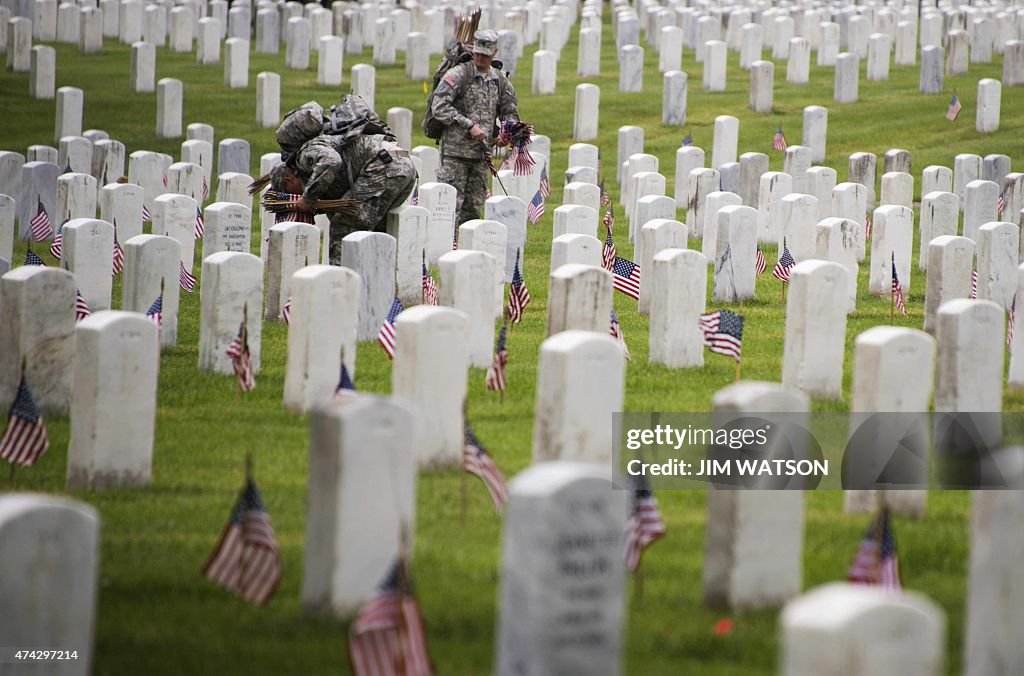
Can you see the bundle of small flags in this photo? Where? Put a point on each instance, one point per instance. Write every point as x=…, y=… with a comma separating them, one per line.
x=478, y=462
x=723, y=332
x=185, y=278
x=386, y=335
x=290, y=215
x=626, y=277
x=877, y=562
x=897, y=288
x=495, y=379
x=246, y=561
x=386, y=638
x=954, y=109
x=759, y=263
x=518, y=294
x=81, y=307
x=516, y=135
x=644, y=525
x=40, y=224
x=615, y=330
x=25, y=438
x=779, y=140
x=785, y=264
x=241, y=359
x=429, y=285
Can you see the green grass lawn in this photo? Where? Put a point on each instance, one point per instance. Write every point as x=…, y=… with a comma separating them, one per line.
x=158, y=615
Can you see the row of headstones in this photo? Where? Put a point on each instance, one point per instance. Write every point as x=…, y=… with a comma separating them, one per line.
x=558, y=502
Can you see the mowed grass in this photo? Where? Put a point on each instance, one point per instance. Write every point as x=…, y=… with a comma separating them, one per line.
x=157, y=615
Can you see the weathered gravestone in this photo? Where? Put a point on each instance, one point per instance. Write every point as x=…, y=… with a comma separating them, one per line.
x=679, y=278
x=292, y=247
x=371, y=255
x=812, y=359
x=151, y=268
x=232, y=289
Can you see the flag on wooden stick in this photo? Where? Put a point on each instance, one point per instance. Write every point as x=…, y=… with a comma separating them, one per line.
x=387, y=638
x=518, y=294
x=246, y=561
x=877, y=562
x=897, y=288
x=241, y=359
x=953, y=111
x=386, y=335
x=615, y=330
x=40, y=224
x=81, y=307
x=429, y=285
x=25, y=438
x=644, y=525
x=779, y=140
x=478, y=462
x=495, y=379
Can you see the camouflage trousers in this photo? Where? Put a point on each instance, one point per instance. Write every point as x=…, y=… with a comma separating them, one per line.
x=471, y=179
x=379, y=188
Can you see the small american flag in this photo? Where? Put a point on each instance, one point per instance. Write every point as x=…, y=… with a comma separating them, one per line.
x=535, y=210
x=155, y=313
x=897, y=289
x=57, y=247
x=1010, y=323
x=25, y=438
x=688, y=140
x=199, y=223
x=626, y=277
x=81, y=307
x=415, y=199
x=286, y=311
x=609, y=217
x=165, y=179
x=1001, y=203
x=241, y=359
x=877, y=562
x=455, y=237
x=779, y=141
x=246, y=561
x=118, y=260
x=40, y=224
x=759, y=263
x=67, y=168
x=954, y=109
x=606, y=201
x=709, y=323
x=495, y=379
x=478, y=462
x=518, y=294
x=867, y=226
x=387, y=639
x=386, y=336
x=429, y=285
x=615, y=330
x=785, y=264
x=346, y=389
x=727, y=337
x=32, y=259
x=146, y=216
x=608, y=253
x=545, y=184
x=185, y=278
x=644, y=525
x=974, y=284
x=206, y=187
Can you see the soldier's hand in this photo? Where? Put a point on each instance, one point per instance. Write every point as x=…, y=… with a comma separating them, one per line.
x=303, y=206
x=477, y=134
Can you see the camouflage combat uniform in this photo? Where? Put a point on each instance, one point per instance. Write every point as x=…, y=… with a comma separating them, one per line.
x=370, y=169
x=465, y=97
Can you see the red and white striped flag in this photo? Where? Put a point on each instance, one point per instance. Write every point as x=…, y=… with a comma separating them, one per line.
x=644, y=525
x=535, y=209
x=626, y=277
x=953, y=111
x=478, y=462
x=759, y=263
x=246, y=561
x=185, y=278
x=81, y=307
x=118, y=259
x=785, y=264
x=286, y=311
x=779, y=140
x=867, y=226
x=877, y=562
x=57, y=246
x=495, y=378
x=199, y=223
x=155, y=313
x=386, y=335
x=518, y=294
x=25, y=438
x=241, y=359
x=615, y=330
x=41, y=226
x=206, y=187
x=146, y=216
x=897, y=288
x=974, y=284
x=429, y=285
x=1001, y=204
x=387, y=638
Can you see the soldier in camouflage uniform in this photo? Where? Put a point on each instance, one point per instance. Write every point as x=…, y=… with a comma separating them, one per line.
x=371, y=169
x=467, y=101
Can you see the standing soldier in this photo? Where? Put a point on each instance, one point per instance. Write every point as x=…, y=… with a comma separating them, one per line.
x=467, y=101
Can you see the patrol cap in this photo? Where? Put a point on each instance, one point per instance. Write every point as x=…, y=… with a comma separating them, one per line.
x=485, y=42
